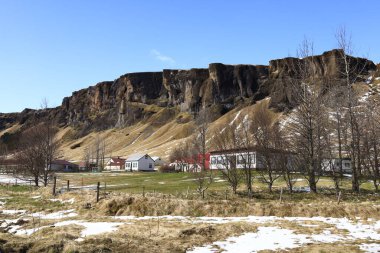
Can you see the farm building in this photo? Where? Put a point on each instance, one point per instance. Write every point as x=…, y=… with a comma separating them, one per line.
x=139, y=162
x=115, y=163
x=330, y=165
x=248, y=158
x=63, y=166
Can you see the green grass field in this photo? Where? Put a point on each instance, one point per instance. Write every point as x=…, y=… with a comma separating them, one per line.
x=172, y=183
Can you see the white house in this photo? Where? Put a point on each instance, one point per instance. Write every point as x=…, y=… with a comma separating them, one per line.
x=333, y=164
x=139, y=162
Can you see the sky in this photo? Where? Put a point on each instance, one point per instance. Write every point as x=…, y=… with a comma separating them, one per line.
x=48, y=49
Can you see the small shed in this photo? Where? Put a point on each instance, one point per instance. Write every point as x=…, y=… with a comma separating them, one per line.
x=139, y=162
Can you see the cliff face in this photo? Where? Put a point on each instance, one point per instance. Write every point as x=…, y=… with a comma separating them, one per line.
x=108, y=103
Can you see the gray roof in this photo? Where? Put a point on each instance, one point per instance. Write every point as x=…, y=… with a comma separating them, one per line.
x=136, y=157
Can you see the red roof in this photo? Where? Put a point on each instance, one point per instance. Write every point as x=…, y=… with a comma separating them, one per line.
x=117, y=161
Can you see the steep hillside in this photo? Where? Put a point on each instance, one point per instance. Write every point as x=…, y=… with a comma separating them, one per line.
x=153, y=111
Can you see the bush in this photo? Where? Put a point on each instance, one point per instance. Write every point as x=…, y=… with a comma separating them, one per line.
x=166, y=169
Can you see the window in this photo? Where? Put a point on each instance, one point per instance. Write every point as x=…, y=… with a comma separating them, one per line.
x=134, y=165
x=241, y=159
x=252, y=158
x=347, y=164
x=150, y=165
x=128, y=165
x=213, y=160
x=220, y=160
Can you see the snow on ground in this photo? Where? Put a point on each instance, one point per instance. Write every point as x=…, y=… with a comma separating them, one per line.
x=9, y=179
x=91, y=228
x=275, y=238
x=370, y=247
x=36, y=197
x=236, y=117
x=266, y=238
x=69, y=201
x=56, y=215
x=12, y=212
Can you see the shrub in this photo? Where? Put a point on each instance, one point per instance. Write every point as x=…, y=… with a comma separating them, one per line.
x=166, y=169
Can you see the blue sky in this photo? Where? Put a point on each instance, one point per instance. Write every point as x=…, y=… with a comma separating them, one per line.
x=48, y=49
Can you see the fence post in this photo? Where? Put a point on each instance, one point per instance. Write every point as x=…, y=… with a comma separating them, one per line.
x=97, y=192
x=339, y=196
x=68, y=185
x=144, y=191
x=54, y=184
x=226, y=195
x=281, y=195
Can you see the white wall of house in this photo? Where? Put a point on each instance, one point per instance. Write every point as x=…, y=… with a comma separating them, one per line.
x=145, y=163
x=330, y=165
x=218, y=161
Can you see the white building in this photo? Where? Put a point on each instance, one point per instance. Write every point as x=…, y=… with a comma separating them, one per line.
x=220, y=160
x=250, y=158
x=333, y=164
x=139, y=162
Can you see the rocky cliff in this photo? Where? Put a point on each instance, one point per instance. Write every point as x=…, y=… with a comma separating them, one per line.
x=118, y=102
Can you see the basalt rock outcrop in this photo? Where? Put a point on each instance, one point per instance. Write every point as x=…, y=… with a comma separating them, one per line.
x=118, y=102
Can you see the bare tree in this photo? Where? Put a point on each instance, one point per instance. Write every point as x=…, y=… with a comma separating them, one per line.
x=246, y=156
x=224, y=141
x=263, y=129
x=306, y=122
x=351, y=71
x=371, y=143
x=288, y=160
x=198, y=146
x=180, y=155
x=36, y=152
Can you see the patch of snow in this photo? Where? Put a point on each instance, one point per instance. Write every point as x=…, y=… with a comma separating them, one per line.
x=10, y=212
x=370, y=247
x=8, y=179
x=2, y=203
x=56, y=215
x=70, y=201
x=266, y=238
x=35, y=197
x=91, y=228
x=236, y=117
